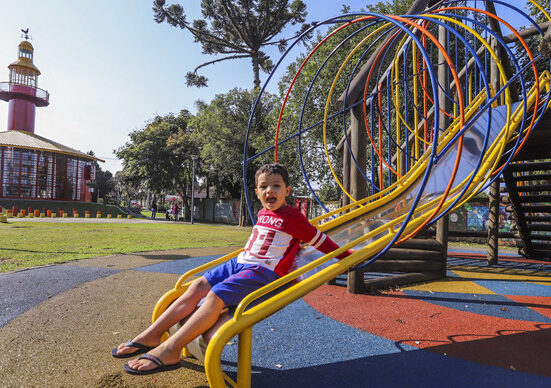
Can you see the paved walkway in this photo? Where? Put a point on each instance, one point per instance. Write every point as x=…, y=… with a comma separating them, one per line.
x=482, y=327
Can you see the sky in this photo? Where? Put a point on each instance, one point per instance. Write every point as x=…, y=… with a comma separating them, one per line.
x=110, y=68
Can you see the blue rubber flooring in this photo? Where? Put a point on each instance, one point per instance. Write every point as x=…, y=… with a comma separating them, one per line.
x=22, y=290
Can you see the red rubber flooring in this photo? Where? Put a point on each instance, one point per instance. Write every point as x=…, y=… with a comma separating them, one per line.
x=498, y=316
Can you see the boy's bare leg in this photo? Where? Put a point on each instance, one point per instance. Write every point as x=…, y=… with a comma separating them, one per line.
x=223, y=318
x=199, y=322
x=180, y=309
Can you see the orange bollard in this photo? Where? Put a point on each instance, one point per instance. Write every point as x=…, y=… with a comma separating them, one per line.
x=37, y=213
x=48, y=213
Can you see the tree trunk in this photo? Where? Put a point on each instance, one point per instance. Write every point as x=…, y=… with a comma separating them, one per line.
x=208, y=184
x=256, y=71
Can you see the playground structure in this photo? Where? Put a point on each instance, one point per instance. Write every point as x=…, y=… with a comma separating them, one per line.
x=433, y=107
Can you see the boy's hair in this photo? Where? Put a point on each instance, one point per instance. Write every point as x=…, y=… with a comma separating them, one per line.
x=273, y=168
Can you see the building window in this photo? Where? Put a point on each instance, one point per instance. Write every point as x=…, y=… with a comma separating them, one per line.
x=44, y=189
x=28, y=174
x=12, y=160
x=60, y=174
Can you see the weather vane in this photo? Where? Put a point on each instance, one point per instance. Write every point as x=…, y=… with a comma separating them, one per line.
x=26, y=34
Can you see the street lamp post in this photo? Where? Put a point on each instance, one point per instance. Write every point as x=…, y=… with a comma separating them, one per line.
x=193, y=158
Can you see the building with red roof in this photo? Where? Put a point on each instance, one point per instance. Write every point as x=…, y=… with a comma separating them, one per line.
x=32, y=166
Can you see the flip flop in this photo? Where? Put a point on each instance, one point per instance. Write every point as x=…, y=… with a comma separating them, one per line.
x=129, y=343
x=161, y=367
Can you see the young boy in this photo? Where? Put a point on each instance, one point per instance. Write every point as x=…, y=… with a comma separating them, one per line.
x=269, y=254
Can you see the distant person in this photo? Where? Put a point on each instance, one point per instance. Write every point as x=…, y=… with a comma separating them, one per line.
x=153, y=209
x=175, y=211
x=167, y=214
x=269, y=254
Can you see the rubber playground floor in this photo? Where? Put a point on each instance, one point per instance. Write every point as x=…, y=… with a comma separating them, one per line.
x=481, y=327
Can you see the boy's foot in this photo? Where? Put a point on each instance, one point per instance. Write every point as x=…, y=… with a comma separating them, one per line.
x=197, y=348
x=161, y=366
x=130, y=349
x=158, y=360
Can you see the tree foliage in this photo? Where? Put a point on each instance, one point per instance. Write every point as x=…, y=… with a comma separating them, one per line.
x=234, y=29
x=220, y=128
x=104, y=184
x=535, y=11
x=126, y=189
x=158, y=157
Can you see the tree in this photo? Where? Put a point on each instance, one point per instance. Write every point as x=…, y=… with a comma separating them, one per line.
x=219, y=132
x=535, y=11
x=104, y=184
x=125, y=188
x=154, y=160
x=235, y=29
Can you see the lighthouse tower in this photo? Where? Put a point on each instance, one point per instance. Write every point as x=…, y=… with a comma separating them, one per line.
x=22, y=92
x=32, y=166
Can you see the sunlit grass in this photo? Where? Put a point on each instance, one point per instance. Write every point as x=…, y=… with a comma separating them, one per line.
x=29, y=244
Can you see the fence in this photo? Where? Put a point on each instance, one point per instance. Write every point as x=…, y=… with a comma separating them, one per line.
x=469, y=217
x=214, y=210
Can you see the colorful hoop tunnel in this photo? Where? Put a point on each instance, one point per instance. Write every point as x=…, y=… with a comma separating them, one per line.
x=402, y=102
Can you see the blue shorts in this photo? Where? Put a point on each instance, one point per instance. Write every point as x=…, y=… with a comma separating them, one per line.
x=233, y=281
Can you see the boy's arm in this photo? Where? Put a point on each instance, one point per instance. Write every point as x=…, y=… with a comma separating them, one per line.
x=314, y=237
x=329, y=245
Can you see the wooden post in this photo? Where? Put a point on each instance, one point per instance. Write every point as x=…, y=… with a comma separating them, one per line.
x=358, y=184
x=358, y=144
x=493, y=224
x=346, y=174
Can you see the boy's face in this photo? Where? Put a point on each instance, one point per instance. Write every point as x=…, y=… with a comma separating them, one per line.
x=271, y=190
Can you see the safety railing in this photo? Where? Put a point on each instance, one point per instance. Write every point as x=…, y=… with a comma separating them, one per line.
x=11, y=87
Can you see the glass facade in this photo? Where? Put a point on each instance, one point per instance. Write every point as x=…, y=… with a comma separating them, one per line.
x=42, y=175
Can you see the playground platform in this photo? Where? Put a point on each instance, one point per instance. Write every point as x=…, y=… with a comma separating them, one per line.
x=481, y=327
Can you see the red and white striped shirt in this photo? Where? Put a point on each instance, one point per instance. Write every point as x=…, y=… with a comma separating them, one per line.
x=276, y=238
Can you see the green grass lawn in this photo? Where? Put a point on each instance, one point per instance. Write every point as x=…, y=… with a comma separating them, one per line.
x=158, y=215
x=28, y=244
